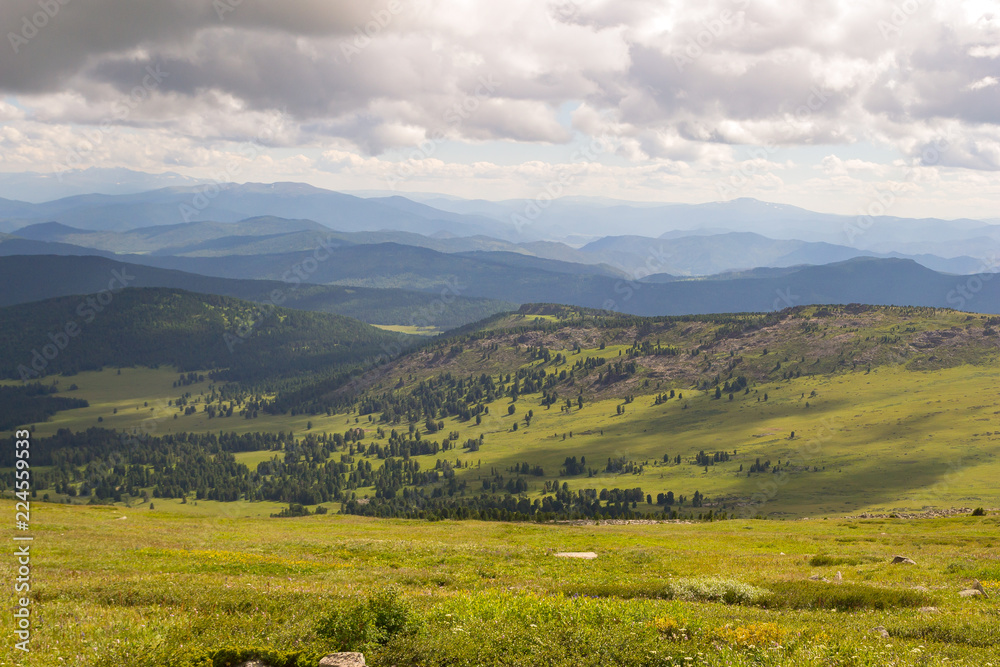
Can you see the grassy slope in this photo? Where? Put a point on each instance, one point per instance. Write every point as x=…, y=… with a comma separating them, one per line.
x=915, y=431
x=149, y=587
x=906, y=445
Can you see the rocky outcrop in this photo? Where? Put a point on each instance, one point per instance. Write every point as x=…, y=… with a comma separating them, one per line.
x=902, y=514
x=332, y=660
x=343, y=660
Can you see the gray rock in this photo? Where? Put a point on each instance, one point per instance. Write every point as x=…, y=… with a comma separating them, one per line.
x=253, y=663
x=838, y=577
x=979, y=587
x=586, y=555
x=902, y=560
x=881, y=631
x=929, y=610
x=971, y=593
x=343, y=660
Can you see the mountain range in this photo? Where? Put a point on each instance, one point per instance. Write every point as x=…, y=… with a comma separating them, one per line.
x=388, y=260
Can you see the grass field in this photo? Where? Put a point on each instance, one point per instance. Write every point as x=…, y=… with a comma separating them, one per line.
x=115, y=586
x=410, y=329
x=888, y=439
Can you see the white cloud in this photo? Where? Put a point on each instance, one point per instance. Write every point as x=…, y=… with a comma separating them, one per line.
x=985, y=82
x=679, y=87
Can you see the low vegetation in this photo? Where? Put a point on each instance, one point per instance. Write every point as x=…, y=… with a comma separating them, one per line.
x=115, y=586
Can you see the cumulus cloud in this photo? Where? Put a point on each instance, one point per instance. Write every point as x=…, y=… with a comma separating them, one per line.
x=677, y=85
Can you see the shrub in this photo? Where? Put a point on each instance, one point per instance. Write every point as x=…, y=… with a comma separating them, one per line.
x=711, y=589
x=670, y=627
x=821, y=560
x=842, y=597
x=384, y=615
x=699, y=589
x=947, y=631
x=753, y=634
x=979, y=511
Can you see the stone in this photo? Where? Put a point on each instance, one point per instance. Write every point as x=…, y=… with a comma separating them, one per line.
x=343, y=660
x=588, y=555
x=929, y=610
x=979, y=587
x=881, y=632
x=902, y=560
x=971, y=593
x=253, y=663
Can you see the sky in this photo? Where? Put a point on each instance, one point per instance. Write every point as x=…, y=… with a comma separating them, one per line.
x=835, y=106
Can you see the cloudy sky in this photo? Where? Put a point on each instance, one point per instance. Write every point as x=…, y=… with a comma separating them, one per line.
x=820, y=103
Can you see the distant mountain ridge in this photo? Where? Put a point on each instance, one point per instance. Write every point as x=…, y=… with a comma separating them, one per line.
x=43, y=187
x=38, y=277
x=232, y=203
x=565, y=218
x=516, y=279
x=697, y=255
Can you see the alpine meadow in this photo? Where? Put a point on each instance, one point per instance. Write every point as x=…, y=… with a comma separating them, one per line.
x=443, y=333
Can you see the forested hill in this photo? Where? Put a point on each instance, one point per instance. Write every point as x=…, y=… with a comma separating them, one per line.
x=35, y=277
x=156, y=326
x=561, y=352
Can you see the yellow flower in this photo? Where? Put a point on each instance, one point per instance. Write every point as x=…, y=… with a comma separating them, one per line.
x=753, y=634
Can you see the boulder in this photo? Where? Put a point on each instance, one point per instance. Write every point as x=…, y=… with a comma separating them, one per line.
x=343, y=660
x=881, y=632
x=838, y=577
x=588, y=555
x=253, y=663
x=979, y=587
x=902, y=560
x=970, y=593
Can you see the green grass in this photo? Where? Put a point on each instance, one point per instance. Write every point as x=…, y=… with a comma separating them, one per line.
x=410, y=329
x=168, y=588
x=892, y=439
